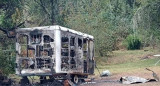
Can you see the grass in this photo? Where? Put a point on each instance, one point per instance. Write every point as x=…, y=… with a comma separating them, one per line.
x=128, y=61
x=129, y=66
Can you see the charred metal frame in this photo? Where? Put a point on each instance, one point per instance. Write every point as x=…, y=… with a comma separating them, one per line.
x=53, y=50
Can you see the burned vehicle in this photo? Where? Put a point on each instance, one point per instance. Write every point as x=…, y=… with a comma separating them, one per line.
x=54, y=51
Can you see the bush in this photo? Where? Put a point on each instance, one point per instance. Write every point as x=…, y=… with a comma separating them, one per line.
x=133, y=42
x=7, y=63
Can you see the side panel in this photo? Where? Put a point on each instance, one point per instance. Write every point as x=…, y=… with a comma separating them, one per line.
x=79, y=53
x=58, y=50
x=91, y=57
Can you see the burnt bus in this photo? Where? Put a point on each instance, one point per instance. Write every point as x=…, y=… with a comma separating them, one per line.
x=54, y=51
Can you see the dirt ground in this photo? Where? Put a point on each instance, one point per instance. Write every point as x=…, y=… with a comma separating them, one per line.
x=113, y=80
x=119, y=84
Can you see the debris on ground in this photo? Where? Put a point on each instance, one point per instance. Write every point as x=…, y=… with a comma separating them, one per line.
x=147, y=57
x=135, y=79
x=157, y=55
x=132, y=80
x=89, y=79
x=105, y=73
x=155, y=76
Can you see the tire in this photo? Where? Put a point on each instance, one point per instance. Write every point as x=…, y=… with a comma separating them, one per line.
x=75, y=79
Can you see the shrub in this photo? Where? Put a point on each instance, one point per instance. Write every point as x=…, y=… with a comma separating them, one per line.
x=7, y=63
x=133, y=42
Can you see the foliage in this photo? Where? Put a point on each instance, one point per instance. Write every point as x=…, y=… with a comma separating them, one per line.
x=8, y=66
x=10, y=16
x=133, y=42
x=10, y=13
x=146, y=23
x=44, y=12
x=109, y=21
x=7, y=54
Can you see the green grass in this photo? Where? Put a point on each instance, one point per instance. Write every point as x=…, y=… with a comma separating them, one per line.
x=129, y=66
x=124, y=56
x=127, y=61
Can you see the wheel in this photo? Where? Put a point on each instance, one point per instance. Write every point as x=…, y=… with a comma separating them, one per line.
x=75, y=79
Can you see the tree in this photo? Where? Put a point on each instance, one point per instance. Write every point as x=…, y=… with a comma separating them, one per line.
x=10, y=17
x=44, y=12
x=146, y=22
x=10, y=13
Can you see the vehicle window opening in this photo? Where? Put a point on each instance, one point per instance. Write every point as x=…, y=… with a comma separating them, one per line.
x=43, y=63
x=31, y=52
x=44, y=53
x=64, y=52
x=72, y=41
x=47, y=46
x=65, y=42
x=72, y=53
x=47, y=39
x=73, y=63
x=65, y=64
x=85, y=48
x=24, y=64
x=64, y=45
x=23, y=41
x=46, y=49
x=35, y=39
x=79, y=42
x=50, y=52
x=23, y=52
x=64, y=39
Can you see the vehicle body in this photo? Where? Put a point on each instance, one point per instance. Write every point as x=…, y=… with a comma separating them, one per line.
x=54, y=51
